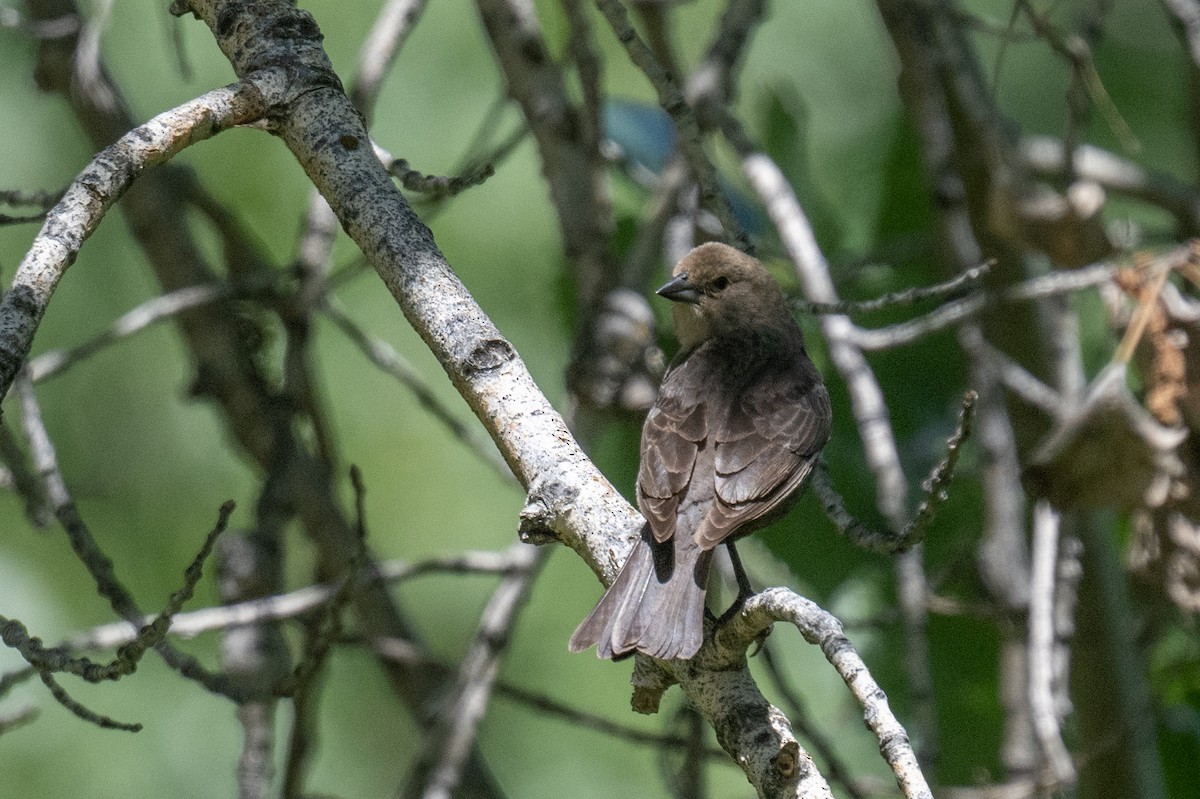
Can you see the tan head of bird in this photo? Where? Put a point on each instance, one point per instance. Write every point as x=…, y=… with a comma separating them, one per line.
x=718, y=289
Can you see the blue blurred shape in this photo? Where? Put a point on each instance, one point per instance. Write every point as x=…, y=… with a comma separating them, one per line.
x=645, y=136
x=644, y=133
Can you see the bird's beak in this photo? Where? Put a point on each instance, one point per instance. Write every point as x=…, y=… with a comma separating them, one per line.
x=680, y=290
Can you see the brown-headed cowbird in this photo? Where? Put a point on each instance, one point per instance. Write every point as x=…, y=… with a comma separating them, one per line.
x=741, y=417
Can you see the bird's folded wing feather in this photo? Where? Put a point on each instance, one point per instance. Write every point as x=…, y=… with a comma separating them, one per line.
x=671, y=439
x=764, y=451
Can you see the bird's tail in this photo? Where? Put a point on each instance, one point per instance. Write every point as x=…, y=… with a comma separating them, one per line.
x=655, y=606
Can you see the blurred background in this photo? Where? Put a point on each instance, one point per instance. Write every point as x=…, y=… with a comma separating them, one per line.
x=149, y=464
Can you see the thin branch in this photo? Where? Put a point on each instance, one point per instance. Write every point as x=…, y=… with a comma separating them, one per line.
x=1046, y=721
x=1053, y=284
x=688, y=134
x=911, y=296
x=47, y=661
x=403, y=651
x=838, y=770
x=88, y=199
x=904, y=333
x=439, y=186
x=387, y=358
x=157, y=309
x=9, y=219
x=388, y=34
x=27, y=715
x=439, y=767
x=99, y=565
x=935, y=487
x=79, y=710
x=44, y=199
x=294, y=604
x=823, y=629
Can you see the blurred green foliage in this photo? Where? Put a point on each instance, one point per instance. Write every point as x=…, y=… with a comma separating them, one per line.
x=149, y=466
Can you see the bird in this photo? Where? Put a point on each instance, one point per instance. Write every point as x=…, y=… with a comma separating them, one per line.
x=741, y=417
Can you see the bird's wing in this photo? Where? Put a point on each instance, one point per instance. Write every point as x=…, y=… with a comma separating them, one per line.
x=671, y=438
x=765, y=448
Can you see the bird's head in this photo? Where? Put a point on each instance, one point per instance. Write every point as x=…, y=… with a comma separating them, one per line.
x=717, y=289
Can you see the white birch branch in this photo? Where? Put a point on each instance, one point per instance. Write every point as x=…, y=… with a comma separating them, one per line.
x=95, y=190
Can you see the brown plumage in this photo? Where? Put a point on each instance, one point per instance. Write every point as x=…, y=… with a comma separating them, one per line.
x=739, y=420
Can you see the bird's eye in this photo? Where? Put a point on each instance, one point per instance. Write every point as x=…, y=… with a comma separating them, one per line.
x=721, y=283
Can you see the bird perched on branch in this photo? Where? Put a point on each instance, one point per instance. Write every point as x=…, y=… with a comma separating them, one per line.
x=739, y=421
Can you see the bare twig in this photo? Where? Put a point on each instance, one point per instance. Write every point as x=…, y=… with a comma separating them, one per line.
x=935, y=492
x=822, y=629
x=18, y=718
x=439, y=186
x=410, y=655
x=80, y=711
x=156, y=309
x=294, y=604
x=44, y=199
x=88, y=198
x=439, y=767
x=389, y=360
x=936, y=487
x=689, y=138
x=838, y=770
x=99, y=565
x=47, y=661
x=392, y=27
x=953, y=313
x=955, y=285
x=9, y=219
x=1046, y=721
